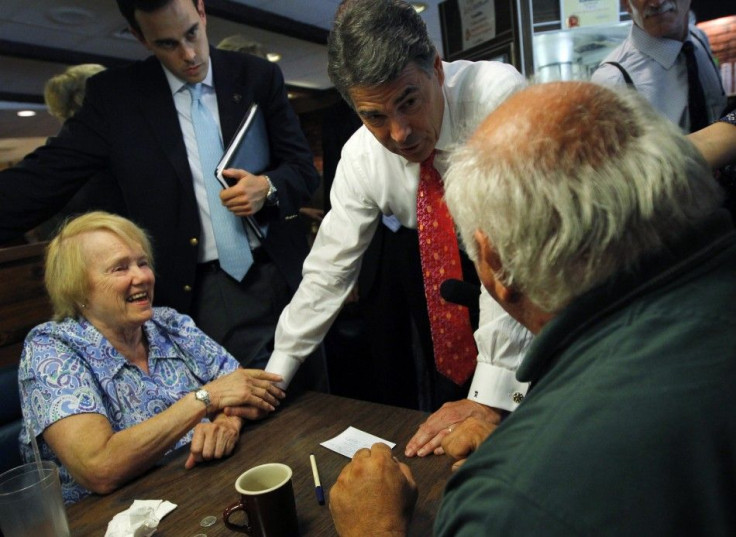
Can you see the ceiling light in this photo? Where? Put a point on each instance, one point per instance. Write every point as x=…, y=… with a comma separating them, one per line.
x=273, y=56
x=26, y=113
x=70, y=16
x=419, y=6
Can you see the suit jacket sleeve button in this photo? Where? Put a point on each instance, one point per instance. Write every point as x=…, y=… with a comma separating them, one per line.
x=187, y=288
x=194, y=241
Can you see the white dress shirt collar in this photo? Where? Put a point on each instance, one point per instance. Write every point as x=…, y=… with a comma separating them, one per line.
x=662, y=50
x=176, y=84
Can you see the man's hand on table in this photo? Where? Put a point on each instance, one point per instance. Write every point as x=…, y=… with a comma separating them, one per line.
x=465, y=439
x=373, y=495
x=428, y=439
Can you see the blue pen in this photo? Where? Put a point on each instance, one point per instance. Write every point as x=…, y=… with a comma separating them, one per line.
x=317, y=485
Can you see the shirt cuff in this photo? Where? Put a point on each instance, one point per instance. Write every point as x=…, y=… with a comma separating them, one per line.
x=497, y=387
x=284, y=365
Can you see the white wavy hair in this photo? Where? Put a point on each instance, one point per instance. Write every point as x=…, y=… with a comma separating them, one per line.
x=572, y=183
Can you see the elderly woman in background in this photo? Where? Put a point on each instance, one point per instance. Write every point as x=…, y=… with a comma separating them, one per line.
x=64, y=93
x=112, y=383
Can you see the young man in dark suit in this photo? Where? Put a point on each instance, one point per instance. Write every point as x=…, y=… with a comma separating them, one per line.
x=136, y=124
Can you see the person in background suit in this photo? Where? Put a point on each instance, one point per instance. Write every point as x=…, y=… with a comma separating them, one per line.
x=597, y=225
x=64, y=95
x=136, y=124
x=654, y=60
x=239, y=43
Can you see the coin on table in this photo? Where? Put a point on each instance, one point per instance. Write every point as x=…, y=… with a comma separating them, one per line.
x=208, y=521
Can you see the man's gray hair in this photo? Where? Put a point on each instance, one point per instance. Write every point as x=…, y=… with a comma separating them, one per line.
x=569, y=201
x=372, y=41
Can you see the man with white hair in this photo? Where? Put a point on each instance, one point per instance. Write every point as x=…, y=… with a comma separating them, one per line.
x=599, y=228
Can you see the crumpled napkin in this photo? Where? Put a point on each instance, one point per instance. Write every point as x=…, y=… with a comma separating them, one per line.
x=140, y=519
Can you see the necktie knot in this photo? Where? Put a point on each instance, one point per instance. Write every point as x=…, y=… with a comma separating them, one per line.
x=195, y=90
x=428, y=173
x=428, y=163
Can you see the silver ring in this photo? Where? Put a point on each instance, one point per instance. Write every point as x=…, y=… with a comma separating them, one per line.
x=449, y=429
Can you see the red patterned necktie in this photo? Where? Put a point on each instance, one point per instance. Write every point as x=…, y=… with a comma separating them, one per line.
x=452, y=336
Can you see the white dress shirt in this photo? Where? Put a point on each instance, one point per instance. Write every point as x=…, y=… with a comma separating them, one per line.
x=659, y=73
x=372, y=182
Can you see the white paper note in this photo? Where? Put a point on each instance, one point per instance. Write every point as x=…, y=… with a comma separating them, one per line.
x=351, y=440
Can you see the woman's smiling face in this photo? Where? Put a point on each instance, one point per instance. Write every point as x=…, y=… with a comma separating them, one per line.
x=120, y=283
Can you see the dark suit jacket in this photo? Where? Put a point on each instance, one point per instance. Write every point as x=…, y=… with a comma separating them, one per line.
x=129, y=127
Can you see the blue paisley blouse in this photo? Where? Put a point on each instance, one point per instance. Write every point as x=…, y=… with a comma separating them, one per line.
x=70, y=368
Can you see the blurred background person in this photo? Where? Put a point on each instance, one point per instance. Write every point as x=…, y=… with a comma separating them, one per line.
x=113, y=383
x=64, y=95
x=239, y=43
x=668, y=60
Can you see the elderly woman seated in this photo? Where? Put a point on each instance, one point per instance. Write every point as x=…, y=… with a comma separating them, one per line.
x=112, y=383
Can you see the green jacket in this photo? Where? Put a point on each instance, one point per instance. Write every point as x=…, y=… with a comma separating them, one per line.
x=629, y=428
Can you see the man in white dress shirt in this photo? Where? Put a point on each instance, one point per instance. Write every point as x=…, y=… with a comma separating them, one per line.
x=410, y=103
x=653, y=59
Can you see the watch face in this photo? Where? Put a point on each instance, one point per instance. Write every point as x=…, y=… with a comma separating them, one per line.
x=203, y=395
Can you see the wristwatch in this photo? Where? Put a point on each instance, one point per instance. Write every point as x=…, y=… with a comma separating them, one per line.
x=203, y=395
x=272, y=196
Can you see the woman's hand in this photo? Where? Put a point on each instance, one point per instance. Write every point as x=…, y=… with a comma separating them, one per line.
x=213, y=440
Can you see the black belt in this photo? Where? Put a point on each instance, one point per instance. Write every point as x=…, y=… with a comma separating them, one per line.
x=259, y=256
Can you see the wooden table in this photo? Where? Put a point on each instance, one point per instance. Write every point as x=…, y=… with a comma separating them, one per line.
x=288, y=436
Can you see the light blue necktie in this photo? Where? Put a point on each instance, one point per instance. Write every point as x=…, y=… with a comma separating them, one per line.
x=233, y=247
